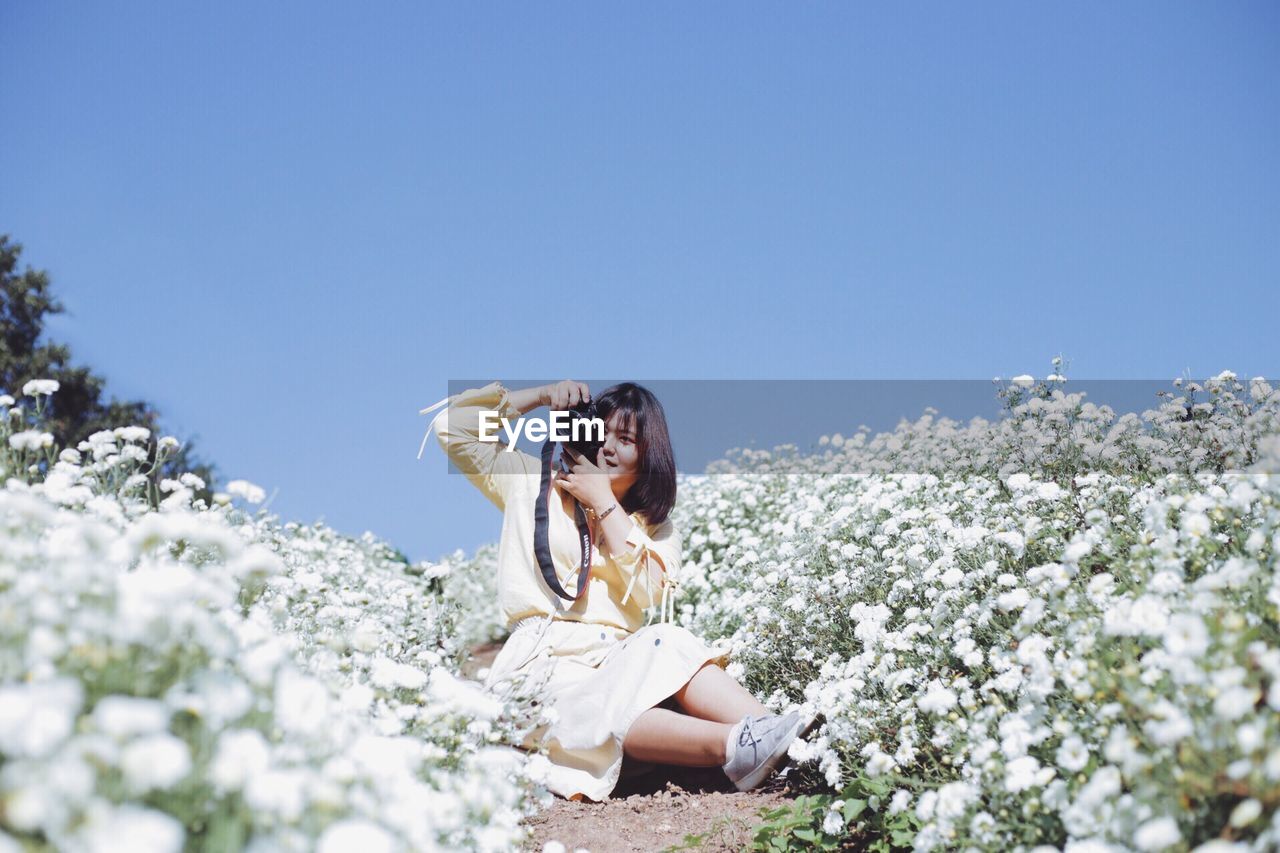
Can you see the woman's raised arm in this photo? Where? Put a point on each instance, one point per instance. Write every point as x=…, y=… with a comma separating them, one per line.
x=489, y=465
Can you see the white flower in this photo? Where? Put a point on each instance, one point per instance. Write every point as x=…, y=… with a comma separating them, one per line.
x=1146, y=616
x=953, y=799
x=1073, y=755
x=937, y=700
x=448, y=692
x=1018, y=482
x=1088, y=845
x=155, y=761
x=366, y=636
x=385, y=756
x=1186, y=636
x=1076, y=551
x=389, y=675
x=1012, y=539
x=191, y=481
x=833, y=823
x=30, y=439
x=6, y=400
x=302, y=702
x=132, y=433
x=1049, y=491
x=241, y=755
x=1250, y=737
x=1020, y=774
x=246, y=490
x=282, y=793
x=1195, y=525
x=924, y=808
x=350, y=835
x=1235, y=702
x=29, y=807
x=256, y=561
x=128, y=828
x=1157, y=834
x=900, y=800
x=878, y=763
x=1168, y=724
x=1025, y=380
x=36, y=387
x=1245, y=813
x=220, y=698
x=1150, y=614
x=129, y=716
x=1014, y=599
x=35, y=718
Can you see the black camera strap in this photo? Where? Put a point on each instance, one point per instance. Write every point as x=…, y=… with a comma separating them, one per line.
x=541, y=543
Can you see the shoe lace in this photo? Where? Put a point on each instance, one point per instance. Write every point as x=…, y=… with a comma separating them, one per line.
x=747, y=737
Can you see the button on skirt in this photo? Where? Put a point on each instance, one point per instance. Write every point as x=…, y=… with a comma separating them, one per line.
x=598, y=679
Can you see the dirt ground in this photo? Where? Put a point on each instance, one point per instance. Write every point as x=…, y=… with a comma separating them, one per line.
x=652, y=811
x=655, y=812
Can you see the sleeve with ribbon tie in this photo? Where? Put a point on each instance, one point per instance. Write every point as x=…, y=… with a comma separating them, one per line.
x=651, y=563
x=488, y=465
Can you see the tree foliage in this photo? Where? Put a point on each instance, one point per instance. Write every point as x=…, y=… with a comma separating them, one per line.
x=78, y=409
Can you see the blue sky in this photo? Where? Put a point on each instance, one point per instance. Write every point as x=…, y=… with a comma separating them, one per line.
x=289, y=225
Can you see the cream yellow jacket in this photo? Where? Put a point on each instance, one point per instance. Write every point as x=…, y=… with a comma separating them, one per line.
x=622, y=586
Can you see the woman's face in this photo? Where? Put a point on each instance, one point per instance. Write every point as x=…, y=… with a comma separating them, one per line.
x=620, y=455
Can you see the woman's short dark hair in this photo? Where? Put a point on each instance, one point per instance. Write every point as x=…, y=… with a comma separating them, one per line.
x=654, y=492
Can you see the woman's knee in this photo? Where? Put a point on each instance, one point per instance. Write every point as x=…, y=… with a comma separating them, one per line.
x=665, y=632
x=679, y=694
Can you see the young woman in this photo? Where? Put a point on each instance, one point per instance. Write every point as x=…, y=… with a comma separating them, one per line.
x=654, y=692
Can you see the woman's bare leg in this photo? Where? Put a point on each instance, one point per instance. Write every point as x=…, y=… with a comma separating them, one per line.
x=712, y=694
x=713, y=702
x=663, y=736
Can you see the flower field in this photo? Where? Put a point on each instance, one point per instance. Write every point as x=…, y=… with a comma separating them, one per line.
x=1059, y=629
x=191, y=677
x=1056, y=630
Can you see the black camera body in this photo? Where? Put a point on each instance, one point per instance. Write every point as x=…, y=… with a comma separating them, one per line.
x=585, y=447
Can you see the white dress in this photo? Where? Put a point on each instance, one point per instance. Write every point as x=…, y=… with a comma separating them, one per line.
x=598, y=680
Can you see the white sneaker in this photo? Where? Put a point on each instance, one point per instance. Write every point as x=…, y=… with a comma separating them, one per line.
x=757, y=745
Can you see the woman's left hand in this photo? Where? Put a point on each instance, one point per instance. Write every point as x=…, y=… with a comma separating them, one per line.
x=588, y=483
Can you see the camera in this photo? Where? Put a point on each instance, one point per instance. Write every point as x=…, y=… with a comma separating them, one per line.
x=586, y=447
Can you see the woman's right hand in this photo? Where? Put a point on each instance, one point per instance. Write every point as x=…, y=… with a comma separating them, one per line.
x=565, y=395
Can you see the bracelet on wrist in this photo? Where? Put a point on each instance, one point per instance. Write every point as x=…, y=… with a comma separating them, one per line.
x=600, y=516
